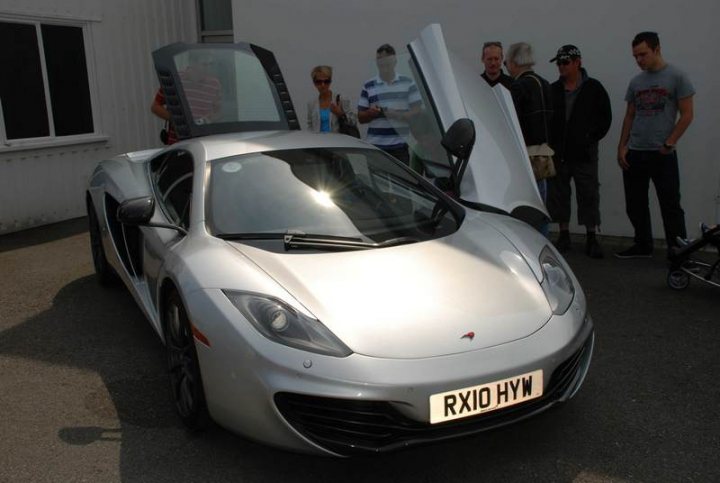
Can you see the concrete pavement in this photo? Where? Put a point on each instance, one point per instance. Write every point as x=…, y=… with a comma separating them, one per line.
x=83, y=392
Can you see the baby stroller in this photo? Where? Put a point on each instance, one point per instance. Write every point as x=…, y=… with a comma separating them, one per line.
x=686, y=264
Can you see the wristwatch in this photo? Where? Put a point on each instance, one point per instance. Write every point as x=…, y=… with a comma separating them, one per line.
x=669, y=147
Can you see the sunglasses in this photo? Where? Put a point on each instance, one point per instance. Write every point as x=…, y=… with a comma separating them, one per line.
x=563, y=62
x=318, y=82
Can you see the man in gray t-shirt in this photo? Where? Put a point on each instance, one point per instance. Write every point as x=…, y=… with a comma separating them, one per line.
x=659, y=110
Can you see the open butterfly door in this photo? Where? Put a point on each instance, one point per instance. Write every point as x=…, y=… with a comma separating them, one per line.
x=222, y=88
x=498, y=176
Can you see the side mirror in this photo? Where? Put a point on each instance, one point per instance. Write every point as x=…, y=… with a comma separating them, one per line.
x=136, y=211
x=459, y=141
x=139, y=211
x=460, y=138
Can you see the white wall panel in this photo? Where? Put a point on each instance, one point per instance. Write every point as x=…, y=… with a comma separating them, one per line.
x=45, y=185
x=39, y=186
x=345, y=35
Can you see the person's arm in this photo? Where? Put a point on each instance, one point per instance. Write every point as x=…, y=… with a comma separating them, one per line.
x=604, y=115
x=366, y=112
x=404, y=116
x=414, y=107
x=350, y=116
x=336, y=107
x=367, y=115
x=160, y=111
x=685, y=107
x=625, y=135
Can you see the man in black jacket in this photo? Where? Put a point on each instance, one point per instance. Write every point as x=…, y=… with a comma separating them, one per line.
x=492, y=59
x=582, y=118
x=533, y=105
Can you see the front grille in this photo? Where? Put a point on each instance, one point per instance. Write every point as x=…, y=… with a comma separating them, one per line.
x=347, y=426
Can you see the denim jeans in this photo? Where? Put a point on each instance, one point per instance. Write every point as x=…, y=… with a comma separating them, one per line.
x=662, y=170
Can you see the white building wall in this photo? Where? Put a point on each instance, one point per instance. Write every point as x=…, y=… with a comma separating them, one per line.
x=44, y=185
x=346, y=33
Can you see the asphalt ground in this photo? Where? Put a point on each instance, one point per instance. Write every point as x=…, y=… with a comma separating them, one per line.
x=83, y=390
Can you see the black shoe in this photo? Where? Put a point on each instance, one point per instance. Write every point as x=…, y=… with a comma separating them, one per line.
x=635, y=251
x=563, y=243
x=593, y=248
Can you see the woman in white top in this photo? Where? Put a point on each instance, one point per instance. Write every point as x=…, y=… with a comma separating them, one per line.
x=324, y=113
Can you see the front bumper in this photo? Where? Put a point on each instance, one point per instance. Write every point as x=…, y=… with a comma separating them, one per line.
x=314, y=403
x=347, y=426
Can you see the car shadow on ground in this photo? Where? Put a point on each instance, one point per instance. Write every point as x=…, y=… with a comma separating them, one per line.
x=99, y=329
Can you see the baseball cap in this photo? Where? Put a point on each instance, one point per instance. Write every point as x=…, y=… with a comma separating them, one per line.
x=566, y=52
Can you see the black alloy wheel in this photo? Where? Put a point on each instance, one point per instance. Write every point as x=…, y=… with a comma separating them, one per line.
x=183, y=366
x=105, y=273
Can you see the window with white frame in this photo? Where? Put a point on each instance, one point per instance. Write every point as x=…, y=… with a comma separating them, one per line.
x=215, y=23
x=44, y=88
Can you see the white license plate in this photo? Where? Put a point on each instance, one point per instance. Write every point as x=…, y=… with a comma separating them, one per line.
x=469, y=401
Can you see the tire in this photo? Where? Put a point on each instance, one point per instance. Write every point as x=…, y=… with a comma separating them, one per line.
x=186, y=385
x=678, y=280
x=105, y=273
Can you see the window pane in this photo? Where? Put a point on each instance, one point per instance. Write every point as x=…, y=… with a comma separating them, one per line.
x=21, y=84
x=216, y=14
x=216, y=83
x=68, y=79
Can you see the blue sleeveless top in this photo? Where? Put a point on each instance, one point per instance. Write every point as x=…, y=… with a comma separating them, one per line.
x=325, y=120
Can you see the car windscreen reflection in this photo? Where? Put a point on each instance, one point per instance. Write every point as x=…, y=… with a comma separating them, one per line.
x=355, y=194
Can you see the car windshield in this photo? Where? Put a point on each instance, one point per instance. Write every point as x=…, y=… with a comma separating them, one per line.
x=360, y=194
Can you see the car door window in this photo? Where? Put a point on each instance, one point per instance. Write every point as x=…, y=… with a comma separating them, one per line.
x=172, y=176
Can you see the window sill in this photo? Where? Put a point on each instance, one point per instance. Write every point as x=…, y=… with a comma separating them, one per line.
x=28, y=145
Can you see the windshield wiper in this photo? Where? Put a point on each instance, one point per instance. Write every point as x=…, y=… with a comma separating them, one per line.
x=401, y=240
x=299, y=241
x=250, y=236
x=296, y=239
x=340, y=243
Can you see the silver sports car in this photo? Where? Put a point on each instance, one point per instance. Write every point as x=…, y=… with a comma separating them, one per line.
x=316, y=294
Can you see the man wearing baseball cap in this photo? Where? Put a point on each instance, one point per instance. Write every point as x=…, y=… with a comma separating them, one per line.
x=582, y=118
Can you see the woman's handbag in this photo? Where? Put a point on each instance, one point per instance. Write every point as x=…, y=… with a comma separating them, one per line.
x=346, y=127
x=541, y=160
x=541, y=156
x=164, y=133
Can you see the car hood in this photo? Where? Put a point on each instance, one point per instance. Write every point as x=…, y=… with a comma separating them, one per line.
x=468, y=291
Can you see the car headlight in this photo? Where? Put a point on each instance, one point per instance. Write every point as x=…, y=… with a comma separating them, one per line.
x=281, y=323
x=556, y=283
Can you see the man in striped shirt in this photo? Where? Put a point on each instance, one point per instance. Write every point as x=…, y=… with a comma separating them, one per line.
x=387, y=102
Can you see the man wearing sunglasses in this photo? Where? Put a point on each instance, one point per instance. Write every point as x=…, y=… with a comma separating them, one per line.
x=582, y=118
